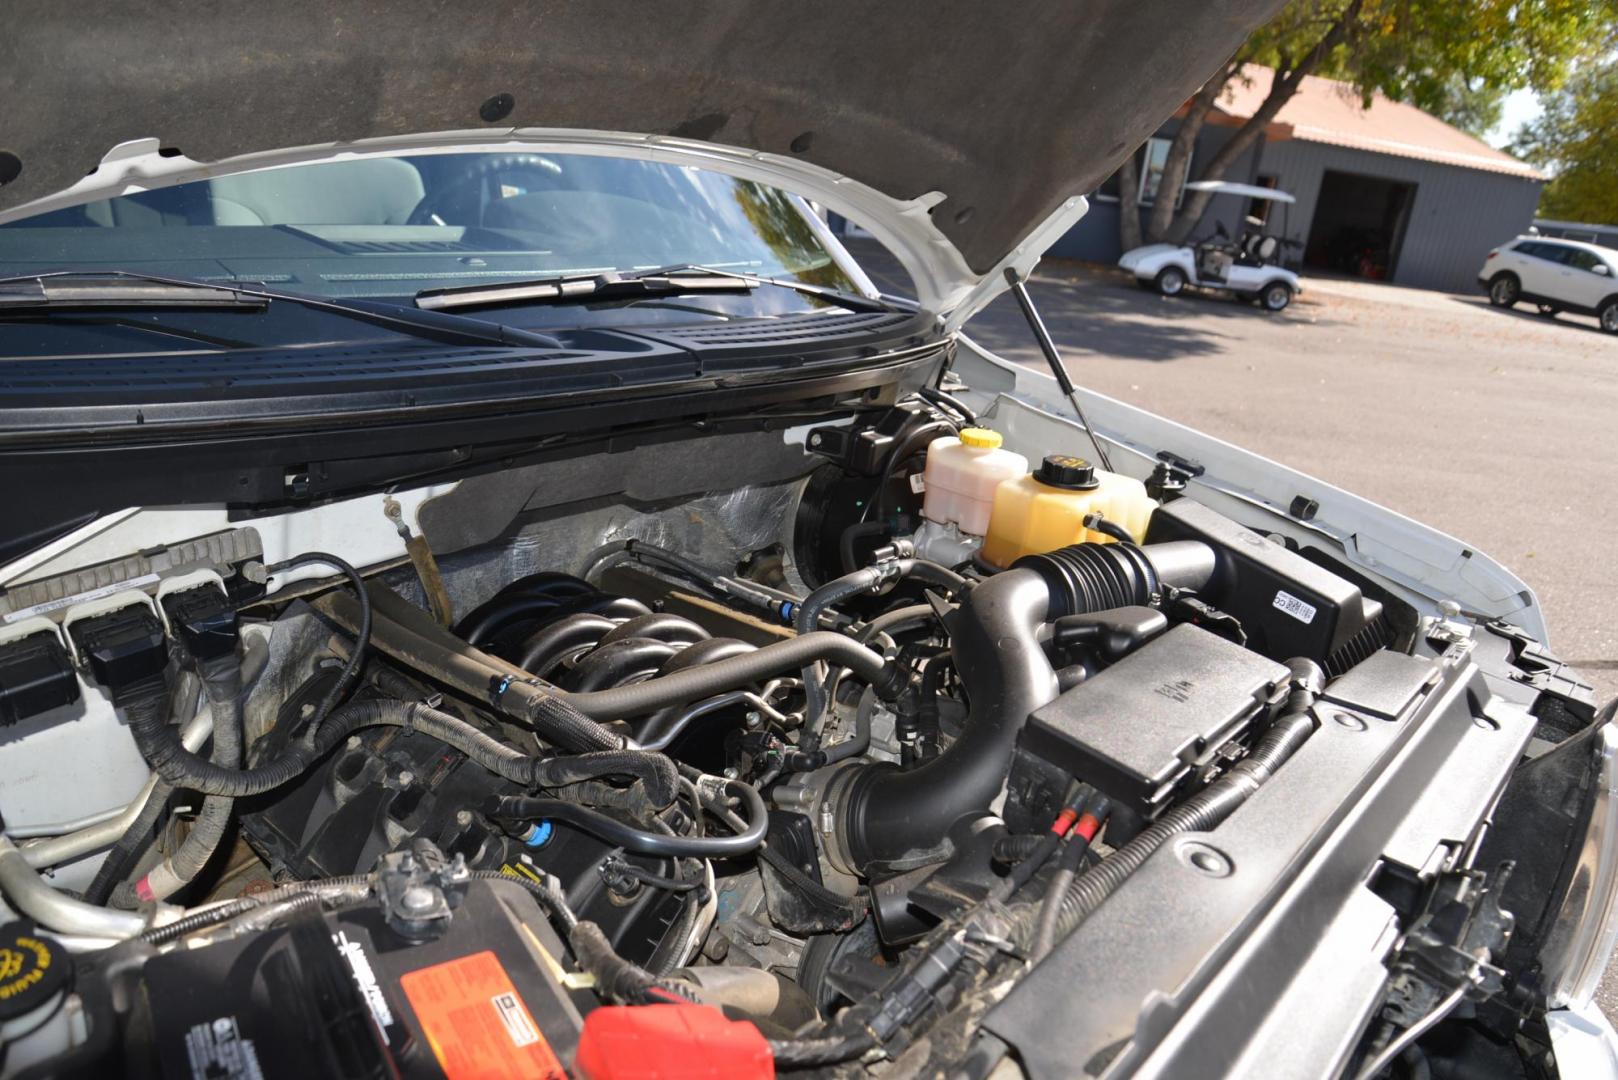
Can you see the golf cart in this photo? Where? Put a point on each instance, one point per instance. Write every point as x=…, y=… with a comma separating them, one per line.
x=1248, y=266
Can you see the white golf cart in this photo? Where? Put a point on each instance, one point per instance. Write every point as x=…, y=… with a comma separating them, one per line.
x=1248, y=266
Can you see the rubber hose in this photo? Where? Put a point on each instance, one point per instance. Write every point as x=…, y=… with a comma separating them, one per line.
x=938, y=574
x=1206, y=809
x=807, y=620
x=889, y=621
x=666, y=725
x=658, y=730
x=642, y=841
x=861, y=740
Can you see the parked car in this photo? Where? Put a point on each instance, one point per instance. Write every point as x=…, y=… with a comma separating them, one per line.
x=489, y=588
x=1248, y=266
x=1556, y=275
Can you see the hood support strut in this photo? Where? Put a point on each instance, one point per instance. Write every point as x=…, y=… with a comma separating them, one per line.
x=1019, y=289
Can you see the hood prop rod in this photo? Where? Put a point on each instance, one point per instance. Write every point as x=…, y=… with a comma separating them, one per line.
x=1019, y=289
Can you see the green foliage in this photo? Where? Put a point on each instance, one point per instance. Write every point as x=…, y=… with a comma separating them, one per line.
x=1456, y=58
x=1576, y=139
x=1472, y=106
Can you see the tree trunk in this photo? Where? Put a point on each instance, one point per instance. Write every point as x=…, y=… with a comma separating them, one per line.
x=1128, y=205
x=1178, y=162
x=1288, y=78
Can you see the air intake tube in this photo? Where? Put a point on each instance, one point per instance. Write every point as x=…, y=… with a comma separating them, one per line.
x=887, y=817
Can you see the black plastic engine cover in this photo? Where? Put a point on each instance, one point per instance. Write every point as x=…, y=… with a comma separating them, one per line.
x=1136, y=729
x=1287, y=605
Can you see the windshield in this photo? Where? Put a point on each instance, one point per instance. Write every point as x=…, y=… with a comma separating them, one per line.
x=390, y=227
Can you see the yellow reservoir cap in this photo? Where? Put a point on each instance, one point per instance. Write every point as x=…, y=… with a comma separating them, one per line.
x=981, y=438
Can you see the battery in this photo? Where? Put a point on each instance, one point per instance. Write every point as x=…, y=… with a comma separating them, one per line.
x=341, y=994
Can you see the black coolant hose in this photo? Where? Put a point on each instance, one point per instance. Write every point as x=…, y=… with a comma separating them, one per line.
x=1208, y=807
x=887, y=813
x=806, y=619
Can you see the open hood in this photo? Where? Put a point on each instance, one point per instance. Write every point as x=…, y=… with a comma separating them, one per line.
x=962, y=134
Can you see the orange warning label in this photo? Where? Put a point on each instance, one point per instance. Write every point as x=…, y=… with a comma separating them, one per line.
x=476, y=1024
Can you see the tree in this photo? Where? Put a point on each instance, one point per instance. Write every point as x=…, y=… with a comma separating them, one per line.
x=1412, y=50
x=1468, y=104
x=1573, y=139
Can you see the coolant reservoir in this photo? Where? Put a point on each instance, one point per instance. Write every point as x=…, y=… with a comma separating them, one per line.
x=962, y=475
x=1045, y=510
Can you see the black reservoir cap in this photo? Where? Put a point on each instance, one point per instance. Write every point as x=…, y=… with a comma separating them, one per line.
x=123, y=647
x=36, y=676
x=1067, y=471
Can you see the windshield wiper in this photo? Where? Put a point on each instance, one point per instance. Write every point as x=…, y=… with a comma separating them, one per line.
x=679, y=279
x=73, y=290
x=27, y=294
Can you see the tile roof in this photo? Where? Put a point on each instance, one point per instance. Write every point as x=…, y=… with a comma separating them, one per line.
x=1328, y=111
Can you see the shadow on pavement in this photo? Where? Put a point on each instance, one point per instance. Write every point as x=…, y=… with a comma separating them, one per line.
x=1088, y=310
x=1577, y=322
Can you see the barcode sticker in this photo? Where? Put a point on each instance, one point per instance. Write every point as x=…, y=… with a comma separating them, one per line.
x=1285, y=601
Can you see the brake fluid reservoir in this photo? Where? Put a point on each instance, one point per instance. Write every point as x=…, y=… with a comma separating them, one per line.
x=962, y=475
x=1045, y=510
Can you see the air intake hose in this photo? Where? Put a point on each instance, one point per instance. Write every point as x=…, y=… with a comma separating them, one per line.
x=886, y=814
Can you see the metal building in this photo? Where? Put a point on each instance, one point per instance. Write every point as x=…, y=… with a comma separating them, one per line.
x=1386, y=192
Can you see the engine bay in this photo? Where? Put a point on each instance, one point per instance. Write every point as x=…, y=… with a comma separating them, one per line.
x=798, y=748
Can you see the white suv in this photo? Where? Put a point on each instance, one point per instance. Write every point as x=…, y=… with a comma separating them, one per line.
x=1558, y=275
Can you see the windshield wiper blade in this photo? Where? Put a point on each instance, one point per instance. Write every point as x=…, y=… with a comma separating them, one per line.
x=678, y=279
x=572, y=287
x=75, y=292
x=34, y=292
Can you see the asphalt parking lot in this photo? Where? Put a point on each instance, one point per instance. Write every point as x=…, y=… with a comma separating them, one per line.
x=1498, y=427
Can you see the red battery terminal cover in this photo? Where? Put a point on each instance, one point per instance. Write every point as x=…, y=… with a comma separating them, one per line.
x=671, y=1042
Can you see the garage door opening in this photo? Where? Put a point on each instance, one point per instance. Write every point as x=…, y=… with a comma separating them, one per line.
x=1359, y=225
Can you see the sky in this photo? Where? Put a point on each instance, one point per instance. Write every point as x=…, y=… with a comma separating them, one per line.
x=1519, y=108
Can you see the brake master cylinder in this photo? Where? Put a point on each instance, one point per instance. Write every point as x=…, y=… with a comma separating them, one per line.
x=961, y=477
x=1045, y=510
